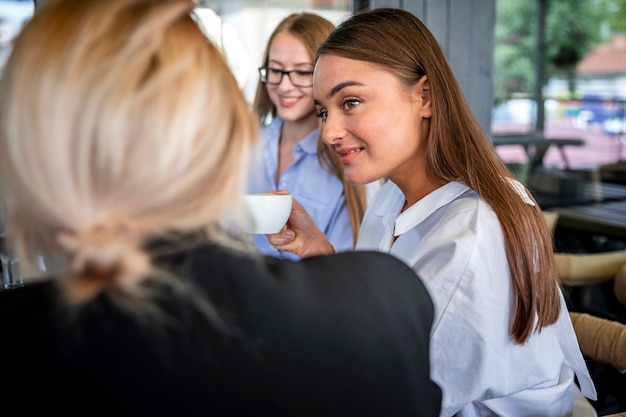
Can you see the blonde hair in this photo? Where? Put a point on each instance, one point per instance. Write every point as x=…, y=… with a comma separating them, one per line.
x=120, y=123
x=459, y=150
x=312, y=29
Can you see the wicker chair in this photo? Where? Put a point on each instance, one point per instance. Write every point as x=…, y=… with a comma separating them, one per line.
x=600, y=339
x=585, y=269
x=603, y=341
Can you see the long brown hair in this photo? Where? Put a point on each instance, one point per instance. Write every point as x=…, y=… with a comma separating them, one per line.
x=459, y=150
x=311, y=29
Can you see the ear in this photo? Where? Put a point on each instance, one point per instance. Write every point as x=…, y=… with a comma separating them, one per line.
x=422, y=89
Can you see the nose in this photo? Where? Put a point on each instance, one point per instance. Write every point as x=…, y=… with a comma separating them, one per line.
x=332, y=132
x=285, y=83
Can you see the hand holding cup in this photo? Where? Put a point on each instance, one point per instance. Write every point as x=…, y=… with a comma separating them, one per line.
x=301, y=235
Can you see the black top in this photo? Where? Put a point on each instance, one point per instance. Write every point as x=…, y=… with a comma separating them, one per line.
x=344, y=334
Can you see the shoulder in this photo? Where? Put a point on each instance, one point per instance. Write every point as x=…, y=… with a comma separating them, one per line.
x=341, y=325
x=348, y=286
x=455, y=205
x=317, y=290
x=358, y=267
x=471, y=210
x=345, y=278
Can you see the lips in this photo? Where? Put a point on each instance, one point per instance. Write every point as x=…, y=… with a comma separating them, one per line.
x=288, y=101
x=348, y=155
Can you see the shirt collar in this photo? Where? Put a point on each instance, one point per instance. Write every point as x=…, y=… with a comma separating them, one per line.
x=419, y=211
x=309, y=143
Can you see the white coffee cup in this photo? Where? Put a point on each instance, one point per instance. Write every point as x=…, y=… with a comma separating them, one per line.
x=268, y=212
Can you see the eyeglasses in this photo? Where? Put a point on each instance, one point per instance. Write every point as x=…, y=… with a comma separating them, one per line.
x=273, y=76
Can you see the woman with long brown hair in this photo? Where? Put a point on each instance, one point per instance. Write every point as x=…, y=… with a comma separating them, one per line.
x=502, y=343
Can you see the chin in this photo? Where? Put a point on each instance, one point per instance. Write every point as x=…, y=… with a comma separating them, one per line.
x=357, y=178
x=294, y=114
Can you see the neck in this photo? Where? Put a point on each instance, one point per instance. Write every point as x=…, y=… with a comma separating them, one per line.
x=294, y=131
x=415, y=194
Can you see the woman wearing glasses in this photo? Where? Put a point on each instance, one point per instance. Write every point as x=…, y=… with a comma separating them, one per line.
x=292, y=157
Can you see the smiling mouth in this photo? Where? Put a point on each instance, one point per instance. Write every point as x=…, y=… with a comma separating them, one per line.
x=344, y=154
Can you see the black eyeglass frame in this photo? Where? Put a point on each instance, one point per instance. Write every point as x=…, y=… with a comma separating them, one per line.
x=263, y=76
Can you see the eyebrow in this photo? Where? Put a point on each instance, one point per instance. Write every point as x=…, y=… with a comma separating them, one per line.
x=297, y=64
x=338, y=88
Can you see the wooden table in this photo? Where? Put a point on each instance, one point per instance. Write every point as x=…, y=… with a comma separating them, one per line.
x=536, y=146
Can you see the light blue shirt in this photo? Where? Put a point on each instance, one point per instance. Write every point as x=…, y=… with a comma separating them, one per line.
x=453, y=240
x=318, y=191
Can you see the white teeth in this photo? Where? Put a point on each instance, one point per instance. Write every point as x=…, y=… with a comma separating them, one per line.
x=350, y=152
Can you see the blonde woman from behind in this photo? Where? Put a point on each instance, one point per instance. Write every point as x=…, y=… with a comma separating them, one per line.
x=124, y=144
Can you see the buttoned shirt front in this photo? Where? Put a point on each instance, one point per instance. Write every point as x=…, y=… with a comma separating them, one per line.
x=453, y=240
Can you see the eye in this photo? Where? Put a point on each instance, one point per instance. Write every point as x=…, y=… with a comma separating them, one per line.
x=350, y=104
x=275, y=71
x=322, y=114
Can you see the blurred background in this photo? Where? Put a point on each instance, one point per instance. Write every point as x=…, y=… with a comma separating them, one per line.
x=571, y=55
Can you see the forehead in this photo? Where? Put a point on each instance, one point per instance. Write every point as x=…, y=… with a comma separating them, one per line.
x=333, y=69
x=285, y=47
x=335, y=76
x=338, y=65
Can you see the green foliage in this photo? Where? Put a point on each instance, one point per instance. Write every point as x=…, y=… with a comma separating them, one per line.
x=572, y=29
x=615, y=14
x=515, y=43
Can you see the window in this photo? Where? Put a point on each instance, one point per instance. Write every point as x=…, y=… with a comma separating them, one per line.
x=13, y=16
x=242, y=29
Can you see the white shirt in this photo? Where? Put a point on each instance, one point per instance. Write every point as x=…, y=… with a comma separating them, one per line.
x=453, y=240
